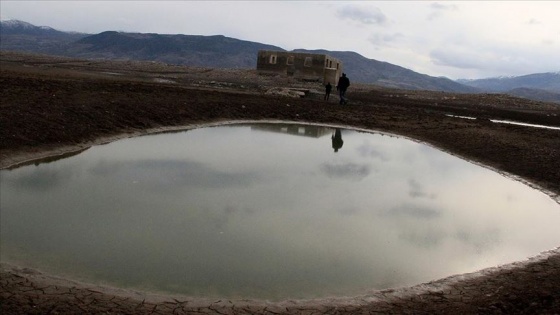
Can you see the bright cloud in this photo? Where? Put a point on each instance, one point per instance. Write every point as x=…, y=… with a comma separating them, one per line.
x=438, y=10
x=364, y=14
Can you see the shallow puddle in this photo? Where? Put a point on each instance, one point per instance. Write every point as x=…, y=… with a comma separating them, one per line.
x=268, y=211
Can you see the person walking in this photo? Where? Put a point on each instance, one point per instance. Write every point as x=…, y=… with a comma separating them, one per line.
x=328, y=89
x=343, y=84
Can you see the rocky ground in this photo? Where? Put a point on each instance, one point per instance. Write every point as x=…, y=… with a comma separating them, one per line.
x=51, y=106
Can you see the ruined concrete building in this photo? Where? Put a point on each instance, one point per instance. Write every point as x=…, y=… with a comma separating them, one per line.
x=305, y=66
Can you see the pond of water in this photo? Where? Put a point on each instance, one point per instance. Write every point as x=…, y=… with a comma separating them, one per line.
x=268, y=211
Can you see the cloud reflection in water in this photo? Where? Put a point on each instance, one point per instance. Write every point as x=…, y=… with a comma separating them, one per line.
x=241, y=211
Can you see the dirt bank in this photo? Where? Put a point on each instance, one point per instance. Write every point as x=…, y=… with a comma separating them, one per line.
x=55, y=105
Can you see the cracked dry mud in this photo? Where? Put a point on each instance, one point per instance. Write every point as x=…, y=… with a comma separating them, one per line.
x=51, y=106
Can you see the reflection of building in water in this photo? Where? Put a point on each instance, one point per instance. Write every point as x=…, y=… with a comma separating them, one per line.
x=299, y=130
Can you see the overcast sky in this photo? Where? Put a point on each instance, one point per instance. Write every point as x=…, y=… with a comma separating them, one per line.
x=456, y=39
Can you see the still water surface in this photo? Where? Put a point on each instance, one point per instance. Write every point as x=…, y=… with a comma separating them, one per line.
x=268, y=211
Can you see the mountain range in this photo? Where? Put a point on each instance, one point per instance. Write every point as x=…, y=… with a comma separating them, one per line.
x=224, y=52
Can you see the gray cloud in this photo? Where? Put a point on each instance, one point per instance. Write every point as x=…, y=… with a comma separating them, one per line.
x=482, y=240
x=428, y=238
x=167, y=174
x=370, y=151
x=442, y=57
x=349, y=211
x=362, y=14
x=414, y=211
x=350, y=171
x=444, y=7
x=438, y=9
x=43, y=179
x=494, y=57
x=384, y=39
x=416, y=190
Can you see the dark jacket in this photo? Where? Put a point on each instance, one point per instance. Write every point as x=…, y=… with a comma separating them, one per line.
x=343, y=83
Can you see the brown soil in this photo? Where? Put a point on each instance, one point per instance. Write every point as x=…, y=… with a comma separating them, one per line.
x=52, y=105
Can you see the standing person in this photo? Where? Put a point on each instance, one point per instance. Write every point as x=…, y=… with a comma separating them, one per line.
x=328, y=89
x=343, y=84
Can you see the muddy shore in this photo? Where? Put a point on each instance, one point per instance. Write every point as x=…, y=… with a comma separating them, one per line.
x=51, y=106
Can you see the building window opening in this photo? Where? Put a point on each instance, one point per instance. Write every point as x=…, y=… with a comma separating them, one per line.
x=290, y=60
x=273, y=59
x=307, y=62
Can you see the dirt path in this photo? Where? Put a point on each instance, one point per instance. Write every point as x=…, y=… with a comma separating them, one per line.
x=52, y=107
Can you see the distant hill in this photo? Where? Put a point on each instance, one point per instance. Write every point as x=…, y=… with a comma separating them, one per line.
x=535, y=94
x=538, y=86
x=225, y=52
x=361, y=69
x=549, y=81
x=16, y=27
x=22, y=36
x=206, y=51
